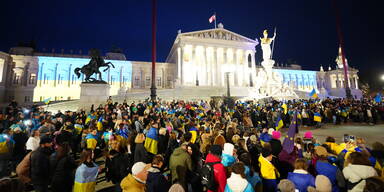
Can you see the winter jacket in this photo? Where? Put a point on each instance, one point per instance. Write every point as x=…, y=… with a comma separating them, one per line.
x=130, y=184
x=118, y=167
x=236, y=183
x=356, y=175
x=301, y=179
x=156, y=182
x=219, y=172
x=140, y=154
x=254, y=179
x=62, y=173
x=32, y=143
x=267, y=169
x=179, y=163
x=40, y=166
x=332, y=172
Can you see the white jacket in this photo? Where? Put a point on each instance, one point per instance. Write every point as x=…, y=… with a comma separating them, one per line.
x=236, y=183
x=354, y=173
x=33, y=143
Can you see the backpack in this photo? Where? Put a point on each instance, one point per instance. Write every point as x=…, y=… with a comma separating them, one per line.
x=208, y=176
x=23, y=169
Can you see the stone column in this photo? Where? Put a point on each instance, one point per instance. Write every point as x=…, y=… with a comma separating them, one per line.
x=218, y=67
x=253, y=72
x=194, y=65
x=179, y=57
x=356, y=82
x=206, y=67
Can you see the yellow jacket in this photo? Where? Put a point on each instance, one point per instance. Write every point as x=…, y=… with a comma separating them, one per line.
x=130, y=184
x=267, y=170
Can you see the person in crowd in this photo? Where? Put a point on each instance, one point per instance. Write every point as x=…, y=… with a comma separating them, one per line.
x=179, y=163
x=33, y=141
x=86, y=173
x=6, y=147
x=156, y=180
x=20, y=138
x=286, y=185
x=228, y=156
x=62, y=167
x=118, y=163
x=11, y=185
x=276, y=143
x=220, y=175
x=237, y=182
x=268, y=171
x=358, y=168
x=323, y=167
x=322, y=184
x=40, y=172
x=135, y=181
x=141, y=154
x=374, y=184
x=300, y=177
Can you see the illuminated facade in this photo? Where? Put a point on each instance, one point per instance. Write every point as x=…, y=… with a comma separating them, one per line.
x=201, y=62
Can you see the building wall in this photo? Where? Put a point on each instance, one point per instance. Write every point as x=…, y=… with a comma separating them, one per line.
x=5, y=61
x=142, y=74
x=303, y=80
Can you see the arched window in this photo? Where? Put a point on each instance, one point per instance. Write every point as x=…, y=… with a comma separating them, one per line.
x=249, y=61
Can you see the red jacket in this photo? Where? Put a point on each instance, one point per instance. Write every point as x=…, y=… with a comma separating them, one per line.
x=220, y=174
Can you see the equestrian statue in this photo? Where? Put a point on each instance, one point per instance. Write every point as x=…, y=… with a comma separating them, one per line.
x=93, y=67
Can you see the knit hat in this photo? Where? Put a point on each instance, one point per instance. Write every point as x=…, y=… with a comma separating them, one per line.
x=276, y=135
x=308, y=135
x=215, y=150
x=270, y=131
x=286, y=185
x=138, y=167
x=323, y=184
x=45, y=140
x=321, y=151
x=228, y=149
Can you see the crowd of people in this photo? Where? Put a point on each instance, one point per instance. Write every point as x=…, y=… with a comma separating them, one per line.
x=240, y=146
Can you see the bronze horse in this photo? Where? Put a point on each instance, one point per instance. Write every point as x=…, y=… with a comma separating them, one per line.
x=93, y=67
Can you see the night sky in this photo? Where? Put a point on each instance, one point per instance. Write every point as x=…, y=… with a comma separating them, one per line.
x=306, y=29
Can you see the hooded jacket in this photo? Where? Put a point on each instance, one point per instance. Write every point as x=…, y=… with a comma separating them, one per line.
x=236, y=183
x=156, y=181
x=130, y=184
x=179, y=163
x=219, y=172
x=357, y=174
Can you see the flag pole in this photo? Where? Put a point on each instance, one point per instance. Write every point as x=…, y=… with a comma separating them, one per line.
x=273, y=43
x=215, y=20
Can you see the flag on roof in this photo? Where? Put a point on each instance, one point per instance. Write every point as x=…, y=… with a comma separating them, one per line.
x=313, y=94
x=212, y=18
x=289, y=141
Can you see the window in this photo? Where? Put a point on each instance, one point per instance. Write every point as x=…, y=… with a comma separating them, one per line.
x=147, y=81
x=27, y=99
x=169, y=81
x=16, y=79
x=32, y=79
x=137, y=80
x=158, y=80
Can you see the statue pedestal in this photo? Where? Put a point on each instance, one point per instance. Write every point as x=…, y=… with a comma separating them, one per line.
x=93, y=93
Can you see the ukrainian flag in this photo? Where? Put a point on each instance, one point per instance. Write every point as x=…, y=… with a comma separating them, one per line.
x=85, y=178
x=279, y=123
x=313, y=94
x=100, y=124
x=91, y=141
x=78, y=128
x=151, y=140
x=285, y=107
x=4, y=148
x=317, y=117
x=89, y=118
x=47, y=100
x=193, y=131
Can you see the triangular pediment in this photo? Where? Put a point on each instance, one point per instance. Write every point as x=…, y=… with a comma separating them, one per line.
x=219, y=33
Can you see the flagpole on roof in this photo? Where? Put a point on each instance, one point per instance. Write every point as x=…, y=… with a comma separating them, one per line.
x=215, y=19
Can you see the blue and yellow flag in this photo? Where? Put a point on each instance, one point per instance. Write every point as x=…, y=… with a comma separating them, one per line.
x=285, y=107
x=317, y=117
x=378, y=98
x=193, y=131
x=279, y=123
x=85, y=178
x=47, y=100
x=91, y=141
x=151, y=141
x=313, y=94
x=100, y=124
x=89, y=118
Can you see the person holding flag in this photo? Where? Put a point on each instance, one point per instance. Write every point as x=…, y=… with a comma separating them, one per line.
x=279, y=123
x=152, y=138
x=317, y=118
x=313, y=94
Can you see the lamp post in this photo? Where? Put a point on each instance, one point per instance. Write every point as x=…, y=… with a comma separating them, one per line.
x=153, y=84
